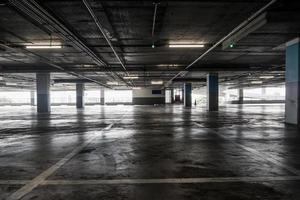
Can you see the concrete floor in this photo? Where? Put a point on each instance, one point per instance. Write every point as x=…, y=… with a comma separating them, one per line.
x=146, y=152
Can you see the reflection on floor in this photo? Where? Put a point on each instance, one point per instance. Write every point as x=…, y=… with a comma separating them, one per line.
x=146, y=152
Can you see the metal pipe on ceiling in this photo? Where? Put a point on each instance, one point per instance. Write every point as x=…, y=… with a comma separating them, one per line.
x=100, y=27
x=153, y=23
x=236, y=29
x=40, y=15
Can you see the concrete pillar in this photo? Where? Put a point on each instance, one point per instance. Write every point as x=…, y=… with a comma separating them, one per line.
x=187, y=94
x=241, y=96
x=212, y=92
x=43, y=92
x=292, y=81
x=79, y=95
x=102, y=99
x=32, y=98
x=182, y=95
x=172, y=96
x=263, y=93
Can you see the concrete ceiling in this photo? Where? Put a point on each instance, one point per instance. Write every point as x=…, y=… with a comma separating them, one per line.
x=128, y=25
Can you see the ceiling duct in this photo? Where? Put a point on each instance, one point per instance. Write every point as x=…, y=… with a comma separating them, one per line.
x=245, y=31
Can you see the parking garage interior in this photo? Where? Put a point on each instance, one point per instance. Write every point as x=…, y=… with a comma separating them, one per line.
x=149, y=99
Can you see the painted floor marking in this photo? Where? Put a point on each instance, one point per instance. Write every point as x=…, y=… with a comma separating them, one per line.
x=155, y=181
x=29, y=186
x=259, y=154
x=170, y=180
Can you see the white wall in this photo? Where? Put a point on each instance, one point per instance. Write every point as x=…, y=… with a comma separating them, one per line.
x=146, y=92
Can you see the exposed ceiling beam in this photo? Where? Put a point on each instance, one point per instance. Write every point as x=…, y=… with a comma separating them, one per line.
x=101, y=29
x=35, y=12
x=203, y=68
x=48, y=62
x=234, y=31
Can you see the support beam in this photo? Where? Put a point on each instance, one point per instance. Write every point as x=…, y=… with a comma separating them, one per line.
x=188, y=94
x=292, y=105
x=212, y=92
x=102, y=96
x=43, y=92
x=32, y=97
x=241, y=96
x=79, y=95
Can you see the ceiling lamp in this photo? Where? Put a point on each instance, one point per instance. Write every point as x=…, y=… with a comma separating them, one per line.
x=157, y=82
x=11, y=84
x=266, y=77
x=43, y=47
x=112, y=83
x=130, y=77
x=186, y=45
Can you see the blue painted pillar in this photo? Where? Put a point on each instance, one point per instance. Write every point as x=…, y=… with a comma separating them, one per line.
x=79, y=95
x=43, y=92
x=241, y=96
x=102, y=99
x=212, y=92
x=292, y=76
x=187, y=94
x=32, y=97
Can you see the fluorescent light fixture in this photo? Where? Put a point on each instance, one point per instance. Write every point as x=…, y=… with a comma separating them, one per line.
x=136, y=88
x=186, y=45
x=169, y=65
x=131, y=77
x=256, y=82
x=266, y=77
x=43, y=47
x=11, y=84
x=112, y=83
x=157, y=82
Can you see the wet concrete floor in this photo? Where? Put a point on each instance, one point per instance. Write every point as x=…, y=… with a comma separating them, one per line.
x=147, y=152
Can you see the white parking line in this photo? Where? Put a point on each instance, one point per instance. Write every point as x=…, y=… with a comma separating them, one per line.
x=156, y=181
x=29, y=186
x=171, y=180
x=267, y=157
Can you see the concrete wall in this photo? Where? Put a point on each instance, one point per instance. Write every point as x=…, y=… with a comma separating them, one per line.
x=145, y=96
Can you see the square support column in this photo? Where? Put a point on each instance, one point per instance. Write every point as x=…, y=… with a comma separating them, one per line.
x=212, y=92
x=79, y=95
x=241, y=96
x=172, y=96
x=32, y=97
x=188, y=94
x=43, y=92
x=182, y=95
x=102, y=96
x=292, y=81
